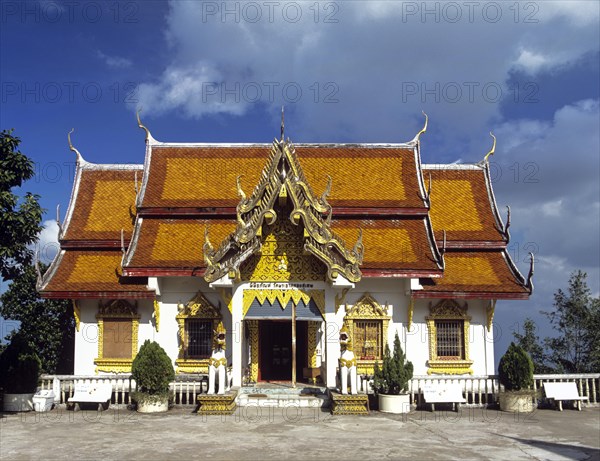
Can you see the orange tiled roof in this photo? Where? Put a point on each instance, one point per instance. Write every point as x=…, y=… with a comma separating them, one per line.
x=461, y=205
x=391, y=244
x=201, y=176
x=476, y=272
x=175, y=243
x=88, y=271
x=103, y=205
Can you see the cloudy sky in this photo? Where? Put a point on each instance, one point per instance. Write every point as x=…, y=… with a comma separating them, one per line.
x=346, y=71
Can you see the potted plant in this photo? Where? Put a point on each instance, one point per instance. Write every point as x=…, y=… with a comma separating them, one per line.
x=152, y=371
x=391, y=380
x=515, y=373
x=19, y=375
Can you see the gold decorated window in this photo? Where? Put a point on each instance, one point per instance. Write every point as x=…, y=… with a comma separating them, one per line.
x=450, y=339
x=197, y=321
x=367, y=322
x=117, y=338
x=198, y=339
x=448, y=325
x=368, y=337
x=118, y=324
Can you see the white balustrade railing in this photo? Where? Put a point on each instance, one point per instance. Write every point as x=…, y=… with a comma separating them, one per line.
x=184, y=391
x=478, y=390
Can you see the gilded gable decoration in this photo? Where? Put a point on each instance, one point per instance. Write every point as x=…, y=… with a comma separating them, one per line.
x=284, y=187
x=198, y=307
x=117, y=308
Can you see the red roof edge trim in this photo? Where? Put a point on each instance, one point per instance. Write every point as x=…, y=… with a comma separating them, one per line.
x=99, y=295
x=421, y=294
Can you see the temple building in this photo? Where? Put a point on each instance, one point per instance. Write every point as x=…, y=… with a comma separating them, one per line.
x=284, y=244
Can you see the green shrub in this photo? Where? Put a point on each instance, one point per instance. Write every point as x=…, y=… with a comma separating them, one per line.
x=152, y=370
x=19, y=367
x=393, y=377
x=515, y=370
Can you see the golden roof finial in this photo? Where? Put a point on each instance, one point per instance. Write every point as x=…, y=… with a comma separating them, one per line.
x=282, y=124
x=423, y=130
x=72, y=148
x=492, y=150
x=142, y=126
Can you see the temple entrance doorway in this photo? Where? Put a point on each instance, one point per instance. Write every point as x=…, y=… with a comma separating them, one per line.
x=275, y=349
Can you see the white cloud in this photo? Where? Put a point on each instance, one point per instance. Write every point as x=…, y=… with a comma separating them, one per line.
x=555, y=201
x=381, y=57
x=115, y=62
x=531, y=62
x=48, y=245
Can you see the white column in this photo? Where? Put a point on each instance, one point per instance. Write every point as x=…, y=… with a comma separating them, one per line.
x=237, y=336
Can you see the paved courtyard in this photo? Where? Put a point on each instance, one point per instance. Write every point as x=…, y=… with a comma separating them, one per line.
x=292, y=433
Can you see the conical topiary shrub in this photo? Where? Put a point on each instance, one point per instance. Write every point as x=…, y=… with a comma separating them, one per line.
x=393, y=377
x=515, y=370
x=515, y=373
x=152, y=370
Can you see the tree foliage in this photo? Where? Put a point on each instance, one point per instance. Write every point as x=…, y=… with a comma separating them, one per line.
x=576, y=317
x=395, y=373
x=152, y=369
x=47, y=325
x=515, y=371
x=19, y=367
x=530, y=342
x=20, y=219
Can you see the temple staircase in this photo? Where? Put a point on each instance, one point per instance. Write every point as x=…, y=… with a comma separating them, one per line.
x=283, y=395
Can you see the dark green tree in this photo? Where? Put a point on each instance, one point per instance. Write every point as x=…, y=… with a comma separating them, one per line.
x=530, y=342
x=393, y=377
x=576, y=319
x=515, y=370
x=20, y=218
x=47, y=325
x=152, y=370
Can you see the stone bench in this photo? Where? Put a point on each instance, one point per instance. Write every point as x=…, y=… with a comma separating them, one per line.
x=444, y=393
x=99, y=393
x=560, y=392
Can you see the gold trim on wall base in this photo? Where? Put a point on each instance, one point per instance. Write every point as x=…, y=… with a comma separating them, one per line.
x=191, y=366
x=113, y=365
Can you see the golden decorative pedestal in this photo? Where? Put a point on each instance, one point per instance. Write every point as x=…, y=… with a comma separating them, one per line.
x=217, y=404
x=346, y=404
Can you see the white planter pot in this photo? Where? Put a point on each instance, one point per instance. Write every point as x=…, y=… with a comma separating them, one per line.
x=153, y=407
x=516, y=402
x=394, y=403
x=18, y=402
x=43, y=400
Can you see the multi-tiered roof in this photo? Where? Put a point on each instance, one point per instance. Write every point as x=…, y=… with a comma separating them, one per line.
x=365, y=210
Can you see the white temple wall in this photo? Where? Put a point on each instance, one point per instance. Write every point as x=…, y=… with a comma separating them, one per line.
x=180, y=290
x=390, y=292
x=86, y=339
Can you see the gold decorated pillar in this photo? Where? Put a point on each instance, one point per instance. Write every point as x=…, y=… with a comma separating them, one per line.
x=253, y=330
